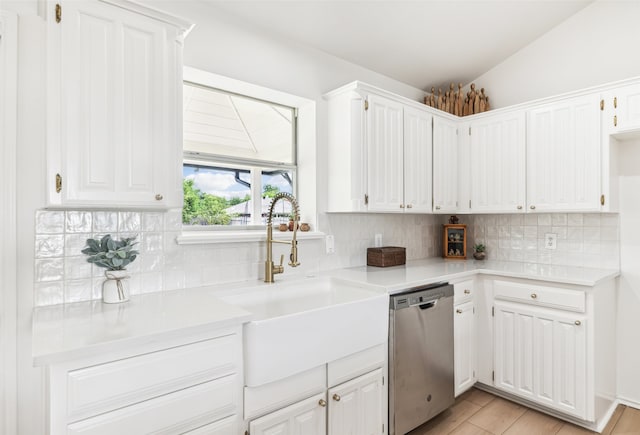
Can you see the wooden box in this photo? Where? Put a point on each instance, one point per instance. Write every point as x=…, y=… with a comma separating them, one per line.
x=386, y=256
x=455, y=241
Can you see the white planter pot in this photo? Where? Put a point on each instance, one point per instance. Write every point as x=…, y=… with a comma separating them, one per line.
x=115, y=289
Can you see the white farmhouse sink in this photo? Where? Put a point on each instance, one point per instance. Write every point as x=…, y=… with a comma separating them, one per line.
x=303, y=324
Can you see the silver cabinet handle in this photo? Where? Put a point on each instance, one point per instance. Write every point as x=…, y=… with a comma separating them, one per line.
x=409, y=206
x=467, y=291
x=532, y=207
x=459, y=311
x=159, y=197
x=534, y=296
x=578, y=323
x=437, y=207
x=519, y=207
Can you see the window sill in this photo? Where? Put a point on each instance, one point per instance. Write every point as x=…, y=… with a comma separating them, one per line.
x=207, y=237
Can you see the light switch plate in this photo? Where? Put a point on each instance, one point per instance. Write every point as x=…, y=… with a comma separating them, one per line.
x=550, y=240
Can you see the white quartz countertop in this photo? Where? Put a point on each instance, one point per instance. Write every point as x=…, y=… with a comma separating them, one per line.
x=63, y=332
x=432, y=270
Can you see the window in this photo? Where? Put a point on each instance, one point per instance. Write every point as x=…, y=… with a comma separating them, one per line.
x=239, y=151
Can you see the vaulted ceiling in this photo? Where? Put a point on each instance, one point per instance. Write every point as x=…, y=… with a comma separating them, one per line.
x=422, y=43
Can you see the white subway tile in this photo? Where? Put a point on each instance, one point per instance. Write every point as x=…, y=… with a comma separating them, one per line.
x=559, y=219
x=152, y=242
x=129, y=222
x=153, y=221
x=517, y=232
x=77, y=268
x=49, y=245
x=531, y=219
x=575, y=219
x=78, y=290
x=75, y=243
x=105, y=222
x=151, y=282
x=591, y=220
x=544, y=219
x=173, y=220
x=78, y=222
x=51, y=269
x=49, y=222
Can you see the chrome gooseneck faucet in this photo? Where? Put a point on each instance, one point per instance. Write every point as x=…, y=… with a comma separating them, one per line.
x=269, y=268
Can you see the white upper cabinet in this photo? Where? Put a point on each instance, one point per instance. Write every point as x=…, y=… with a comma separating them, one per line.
x=385, y=154
x=445, y=165
x=625, y=116
x=417, y=160
x=114, y=119
x=497, y=160
x=379, y=152
x=563, y=155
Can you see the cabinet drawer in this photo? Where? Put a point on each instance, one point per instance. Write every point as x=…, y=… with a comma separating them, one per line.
x=554, y=297
x=105, y=387
x=174, y=413
x=227, y=426
x=463, y=291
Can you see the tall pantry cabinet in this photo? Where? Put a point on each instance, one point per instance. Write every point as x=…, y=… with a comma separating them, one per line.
x=114, y=92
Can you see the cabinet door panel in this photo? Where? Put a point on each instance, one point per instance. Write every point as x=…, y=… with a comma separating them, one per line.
x=465, y=346
x=498, y=163
x=306, y=417
x=563, y=156
x=385, y=159
x=626, y=109
x=445, y=165
x=417, y=161
x=113, y=125
x=355, y=407
x=545, y=351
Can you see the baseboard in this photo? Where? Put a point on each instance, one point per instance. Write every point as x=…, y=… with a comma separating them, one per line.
x=628, y=402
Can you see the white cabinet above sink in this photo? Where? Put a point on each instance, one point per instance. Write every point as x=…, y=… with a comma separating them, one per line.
x=305, y=323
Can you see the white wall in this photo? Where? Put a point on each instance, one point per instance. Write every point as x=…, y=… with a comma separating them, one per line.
x=629, y=283
x=597, y=45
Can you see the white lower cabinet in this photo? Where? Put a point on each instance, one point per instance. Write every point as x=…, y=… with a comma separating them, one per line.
x=355, y=407
x=540, y=355
x=190, y=385
x=344, y=397
x=464, y=336
x=307, y=417
x=464, y=347
x=554, y=346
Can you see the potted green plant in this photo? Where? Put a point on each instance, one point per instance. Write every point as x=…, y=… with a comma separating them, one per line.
x=115, y=256
x=479, y=251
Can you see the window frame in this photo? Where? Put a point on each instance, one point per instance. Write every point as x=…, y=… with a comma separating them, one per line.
x=305, y=159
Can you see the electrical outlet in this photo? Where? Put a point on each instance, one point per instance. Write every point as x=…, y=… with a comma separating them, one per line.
x=330, y=244
x=550, y=240
x=377, y=240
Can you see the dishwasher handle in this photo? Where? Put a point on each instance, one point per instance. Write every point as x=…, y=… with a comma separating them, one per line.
x=429, y=304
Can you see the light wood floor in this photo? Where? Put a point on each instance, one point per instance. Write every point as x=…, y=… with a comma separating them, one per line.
x=479, y=413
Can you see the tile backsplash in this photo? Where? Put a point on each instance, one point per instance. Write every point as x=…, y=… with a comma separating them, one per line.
x=62, y=273
x=583, y=239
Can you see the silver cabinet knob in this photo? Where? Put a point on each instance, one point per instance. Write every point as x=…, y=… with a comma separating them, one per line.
x=401, y=205
x=409, y=206
x=467, y=291
x=159, y=197
x=437, y=207
x=534, y=296
x=459, y=311
x=322, y=402
x=519, y=207
x=532, y=207
x=336, y=397
x=578, y=323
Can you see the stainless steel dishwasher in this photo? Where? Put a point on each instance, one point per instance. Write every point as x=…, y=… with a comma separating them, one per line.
x=421, y=383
